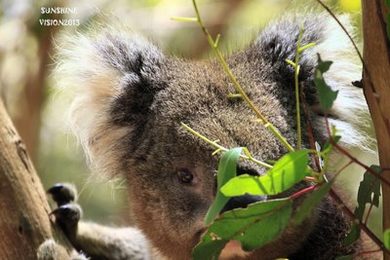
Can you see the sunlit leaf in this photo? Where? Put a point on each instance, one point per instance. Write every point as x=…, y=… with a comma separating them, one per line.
x=227, y=169
x=369, y=192
x=307, y=206
x=286, y=172
x=253, y=227
x=350, y=5
x=386, y=238
x=326, y=95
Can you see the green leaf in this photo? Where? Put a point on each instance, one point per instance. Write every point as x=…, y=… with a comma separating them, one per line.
x=286, y=172
x=307, y=206
x=325, y=94
x=369, y=192
x=209, y=249
x=386, y=238
x=227, y=169
x=253, y=227
x=353, y=235
x=328, y=146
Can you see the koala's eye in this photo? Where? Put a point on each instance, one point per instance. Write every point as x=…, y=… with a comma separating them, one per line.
x=185, y=176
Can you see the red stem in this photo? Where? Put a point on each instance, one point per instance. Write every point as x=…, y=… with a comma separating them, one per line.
x=302, y=192
x=355, y=160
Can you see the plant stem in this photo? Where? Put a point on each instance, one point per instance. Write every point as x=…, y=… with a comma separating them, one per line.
x=296, y=82
x=214, y=45
x=222, y=148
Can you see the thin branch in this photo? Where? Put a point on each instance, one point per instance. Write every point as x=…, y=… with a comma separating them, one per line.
x=220, y=148
x=371, y=85
x=352, y=158
x=362, y=226
x=214, y=45
x=343, y=28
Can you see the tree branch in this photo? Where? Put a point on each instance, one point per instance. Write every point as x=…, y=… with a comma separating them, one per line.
x=377, y=62
x=24, y=214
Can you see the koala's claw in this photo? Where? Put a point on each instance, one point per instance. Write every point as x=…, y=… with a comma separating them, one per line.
x=63, y=193
x=68, y=213
x=67, y=217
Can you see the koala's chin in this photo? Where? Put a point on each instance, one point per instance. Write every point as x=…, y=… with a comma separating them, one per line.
x=130, y=99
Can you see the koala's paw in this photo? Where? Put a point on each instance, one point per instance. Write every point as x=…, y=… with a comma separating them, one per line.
x=63, y=193
x=68, y=213
x=50, y=250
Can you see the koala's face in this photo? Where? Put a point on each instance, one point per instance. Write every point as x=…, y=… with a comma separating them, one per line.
x=132, y=99
x=172, y=172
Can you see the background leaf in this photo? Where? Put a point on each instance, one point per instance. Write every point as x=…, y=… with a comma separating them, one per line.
x=369, y=192
x=386, y=238
x=325, y=94
x=286, y=172
x=227, y=169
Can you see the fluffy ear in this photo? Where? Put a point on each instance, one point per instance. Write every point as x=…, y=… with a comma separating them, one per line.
x=278, y=43
x=114, y=75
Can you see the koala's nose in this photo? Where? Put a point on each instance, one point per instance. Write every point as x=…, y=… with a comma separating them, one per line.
x=242, y=202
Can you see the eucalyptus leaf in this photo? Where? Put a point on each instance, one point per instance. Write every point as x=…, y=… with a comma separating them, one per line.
x=287, y=171
x=369, y=192
x=253, y=227
x=209, y=248
x=386, y=238
x=326, y=95
x=227, y=169
x=307, y=206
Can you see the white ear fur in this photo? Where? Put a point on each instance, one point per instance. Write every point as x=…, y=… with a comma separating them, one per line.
x=96, y=78
x=350, y=107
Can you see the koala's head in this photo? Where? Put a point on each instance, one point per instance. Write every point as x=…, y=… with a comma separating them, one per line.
x=131, y=98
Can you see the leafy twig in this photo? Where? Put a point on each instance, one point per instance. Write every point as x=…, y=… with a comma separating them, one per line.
x=214, y=45
x=364, y=227
x=220, y=148
x=296, y=66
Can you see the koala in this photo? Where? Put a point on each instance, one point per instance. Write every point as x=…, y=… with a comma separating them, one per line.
x=130, y=99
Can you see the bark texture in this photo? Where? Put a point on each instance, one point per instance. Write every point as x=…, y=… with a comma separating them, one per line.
x=24, y=210
x=376, y=81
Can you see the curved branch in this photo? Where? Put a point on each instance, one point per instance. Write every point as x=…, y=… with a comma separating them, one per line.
x=24, y=214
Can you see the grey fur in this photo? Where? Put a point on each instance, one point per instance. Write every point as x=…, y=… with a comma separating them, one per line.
x=129, y=124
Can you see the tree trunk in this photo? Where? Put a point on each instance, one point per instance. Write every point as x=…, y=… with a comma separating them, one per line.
x=376, y=81
x=28, y=118
x=24, y=214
